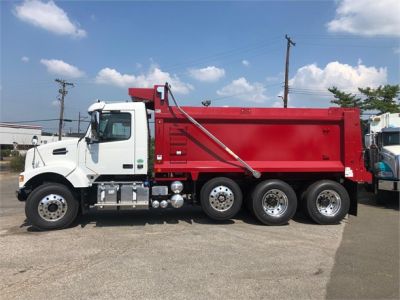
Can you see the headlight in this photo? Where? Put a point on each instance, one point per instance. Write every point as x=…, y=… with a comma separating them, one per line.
x=384, y=174
x=177, y=187
x=382, y=170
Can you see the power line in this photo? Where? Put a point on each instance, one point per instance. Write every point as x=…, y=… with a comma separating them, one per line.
x=348, y=45
x=318, y=91
x=81, y=119
x=33, y=121
x=236, y=51
x=216, y=99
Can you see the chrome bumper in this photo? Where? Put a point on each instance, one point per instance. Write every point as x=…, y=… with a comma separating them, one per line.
x=389, y=185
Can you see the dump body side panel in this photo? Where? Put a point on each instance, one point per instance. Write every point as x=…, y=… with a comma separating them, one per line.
x=271, y=140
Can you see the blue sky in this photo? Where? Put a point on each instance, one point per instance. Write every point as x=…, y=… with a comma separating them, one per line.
x=229, y=52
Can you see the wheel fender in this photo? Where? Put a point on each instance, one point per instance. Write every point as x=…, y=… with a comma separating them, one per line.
x=62, y=170
x=75, y=176
x=78, y=178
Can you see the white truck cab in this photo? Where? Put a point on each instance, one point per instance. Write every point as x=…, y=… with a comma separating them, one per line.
x=119, y=148
x=110, y=160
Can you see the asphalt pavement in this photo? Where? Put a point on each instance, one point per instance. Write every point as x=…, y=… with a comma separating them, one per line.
x=367, y=261
x=182, y=254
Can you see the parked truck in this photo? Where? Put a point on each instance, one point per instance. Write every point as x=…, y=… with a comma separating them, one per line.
x=221, y=158
x=382, y=153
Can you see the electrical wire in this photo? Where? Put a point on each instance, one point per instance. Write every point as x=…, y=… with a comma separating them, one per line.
x=237, y=51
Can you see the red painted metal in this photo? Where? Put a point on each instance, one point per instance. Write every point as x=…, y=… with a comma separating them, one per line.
x=271, y=140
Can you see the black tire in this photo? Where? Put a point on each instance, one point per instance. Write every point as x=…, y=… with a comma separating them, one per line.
x=213, y=187
x=274, y=202
x=334, y=194
x=68, y=215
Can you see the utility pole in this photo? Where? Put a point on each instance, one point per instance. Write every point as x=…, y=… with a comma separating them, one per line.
x=80, y=119
x=79, y=122
x=63, y=91
x=286, y=92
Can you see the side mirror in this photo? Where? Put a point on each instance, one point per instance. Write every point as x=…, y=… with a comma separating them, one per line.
x=35, y=140
x=93, y=128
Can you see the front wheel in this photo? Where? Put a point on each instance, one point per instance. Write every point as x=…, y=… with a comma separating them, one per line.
x=274, y=202
x=51, y=206
x=327, y=202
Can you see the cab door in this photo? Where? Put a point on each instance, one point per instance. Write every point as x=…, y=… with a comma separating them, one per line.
x=114, y=152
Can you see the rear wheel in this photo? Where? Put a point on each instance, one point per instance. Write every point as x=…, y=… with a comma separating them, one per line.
x=51, y=206
x=327, y=202
x=274, y=202
x=221, y=198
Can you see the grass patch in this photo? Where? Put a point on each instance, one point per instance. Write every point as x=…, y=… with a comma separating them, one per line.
x=17, y=163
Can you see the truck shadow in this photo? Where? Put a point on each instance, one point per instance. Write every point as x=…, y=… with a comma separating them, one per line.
x=189, y=215
x=387, y=200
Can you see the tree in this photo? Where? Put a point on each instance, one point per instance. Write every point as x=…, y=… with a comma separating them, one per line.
x=345, y=99
x=382, y=99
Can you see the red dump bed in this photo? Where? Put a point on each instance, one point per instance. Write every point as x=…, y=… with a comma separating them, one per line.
x=271, y=140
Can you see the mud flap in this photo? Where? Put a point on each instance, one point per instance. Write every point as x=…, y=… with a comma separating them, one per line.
x=352, y=189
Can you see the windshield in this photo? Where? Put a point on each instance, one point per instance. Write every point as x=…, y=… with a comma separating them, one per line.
x=392, y=138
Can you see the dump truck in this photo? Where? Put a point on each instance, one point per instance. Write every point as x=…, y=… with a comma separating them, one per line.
x=269, y=160
x=382, y=154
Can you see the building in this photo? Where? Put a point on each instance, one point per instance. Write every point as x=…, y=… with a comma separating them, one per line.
x=17, y=136
x=14, y=135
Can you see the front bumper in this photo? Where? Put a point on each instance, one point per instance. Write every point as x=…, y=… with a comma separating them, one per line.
x=389, y=185
x=21, y=194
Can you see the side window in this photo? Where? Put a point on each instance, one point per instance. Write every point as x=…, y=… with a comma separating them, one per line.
x=114, y=126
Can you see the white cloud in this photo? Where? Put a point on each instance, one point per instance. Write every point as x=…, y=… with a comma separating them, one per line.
x=245, y=63
x=48, y=16
x=396, y=50
x=277, y=104
x=243, y=90
x=59, y=67
x=209, y=74
x=273, y=78
x=154, y=76
x=367, y=17
x=309, y=85
x=25, y=59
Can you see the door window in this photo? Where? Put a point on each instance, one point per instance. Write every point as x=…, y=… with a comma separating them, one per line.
x=114, y=126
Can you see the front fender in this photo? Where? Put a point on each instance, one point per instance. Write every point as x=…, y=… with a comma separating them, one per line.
x=78, y=178
x=75, y=176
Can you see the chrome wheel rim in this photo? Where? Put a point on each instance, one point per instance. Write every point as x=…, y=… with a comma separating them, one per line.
x=275, y=203
x=52, y=208
x=221, y=198
x=328, y=203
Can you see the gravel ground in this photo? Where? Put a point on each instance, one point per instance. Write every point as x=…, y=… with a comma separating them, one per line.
x=171, y=254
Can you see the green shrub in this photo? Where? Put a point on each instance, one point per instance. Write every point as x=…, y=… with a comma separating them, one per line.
x=5, y=152
x=17, y=163
x=15, y=153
